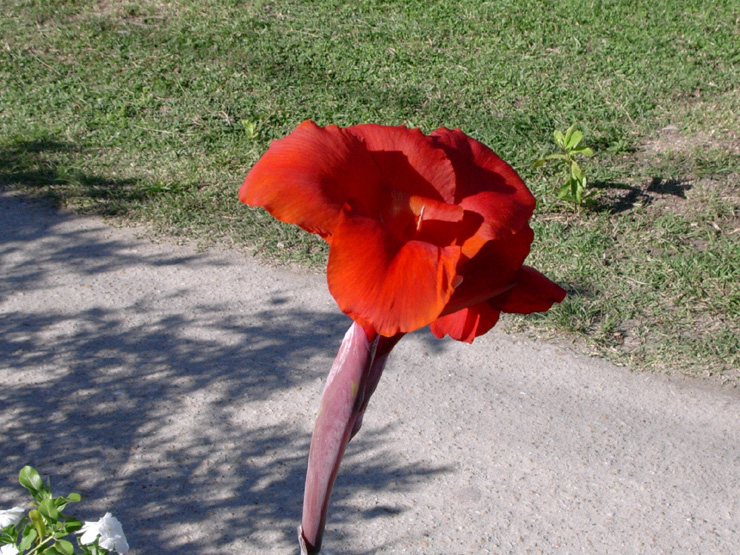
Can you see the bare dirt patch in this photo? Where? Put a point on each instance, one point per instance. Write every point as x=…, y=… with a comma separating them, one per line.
x=671, y=140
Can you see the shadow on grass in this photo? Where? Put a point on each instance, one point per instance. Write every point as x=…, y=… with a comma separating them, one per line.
x=673, y=187
x=620, y=197
x=46, y=168
x=187, y=424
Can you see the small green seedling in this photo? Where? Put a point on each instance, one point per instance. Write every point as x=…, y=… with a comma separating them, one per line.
x=250, y=129
x=574, y=189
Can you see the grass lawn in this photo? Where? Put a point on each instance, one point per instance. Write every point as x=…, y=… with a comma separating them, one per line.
x=154, y=111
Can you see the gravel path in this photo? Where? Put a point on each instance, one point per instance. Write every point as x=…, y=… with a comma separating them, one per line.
x=177, y=389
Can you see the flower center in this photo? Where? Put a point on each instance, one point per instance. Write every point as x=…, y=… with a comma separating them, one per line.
x=412, y=217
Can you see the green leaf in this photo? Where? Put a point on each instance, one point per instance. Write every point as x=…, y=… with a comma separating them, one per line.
x=575, y=170
x=577, y=192
x=52, y=551
x=556, y=157
x=568, y=133
x=38, y=522
x=74, y=497
x=564, y=191
x=539, y=163
x=64, y=547
x=573, y=140
x=31, y=480
x=29, y=536
x=72, y=525
x=582, y=150
x=559, y=138
x=48, y=509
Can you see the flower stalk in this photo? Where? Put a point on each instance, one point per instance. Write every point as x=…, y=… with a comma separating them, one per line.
x=352, y=381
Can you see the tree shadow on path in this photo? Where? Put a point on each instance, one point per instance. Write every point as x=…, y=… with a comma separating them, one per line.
x=190, y=423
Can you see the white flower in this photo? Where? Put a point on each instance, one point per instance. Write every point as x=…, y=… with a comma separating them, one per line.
x=110, y=531
x=8, y=550
x=11, y=517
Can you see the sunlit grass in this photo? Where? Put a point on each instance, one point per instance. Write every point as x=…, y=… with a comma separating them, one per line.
x=154, y=112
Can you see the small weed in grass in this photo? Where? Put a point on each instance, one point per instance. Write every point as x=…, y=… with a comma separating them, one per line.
x=574, y=188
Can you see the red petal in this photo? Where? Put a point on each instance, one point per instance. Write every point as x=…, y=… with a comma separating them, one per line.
x=408, y=160
x=466, y=324
x=493, y=270
x=306, y=177
x=533, y=293
x=487, y=186
x=377, y=279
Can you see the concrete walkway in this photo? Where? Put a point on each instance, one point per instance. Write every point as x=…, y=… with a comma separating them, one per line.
x=178, y=390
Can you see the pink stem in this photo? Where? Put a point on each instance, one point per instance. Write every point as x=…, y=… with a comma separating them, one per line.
x=352, y=380
x=383, y=349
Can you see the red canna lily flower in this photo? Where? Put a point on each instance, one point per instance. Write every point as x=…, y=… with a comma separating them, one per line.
x=423, y=230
